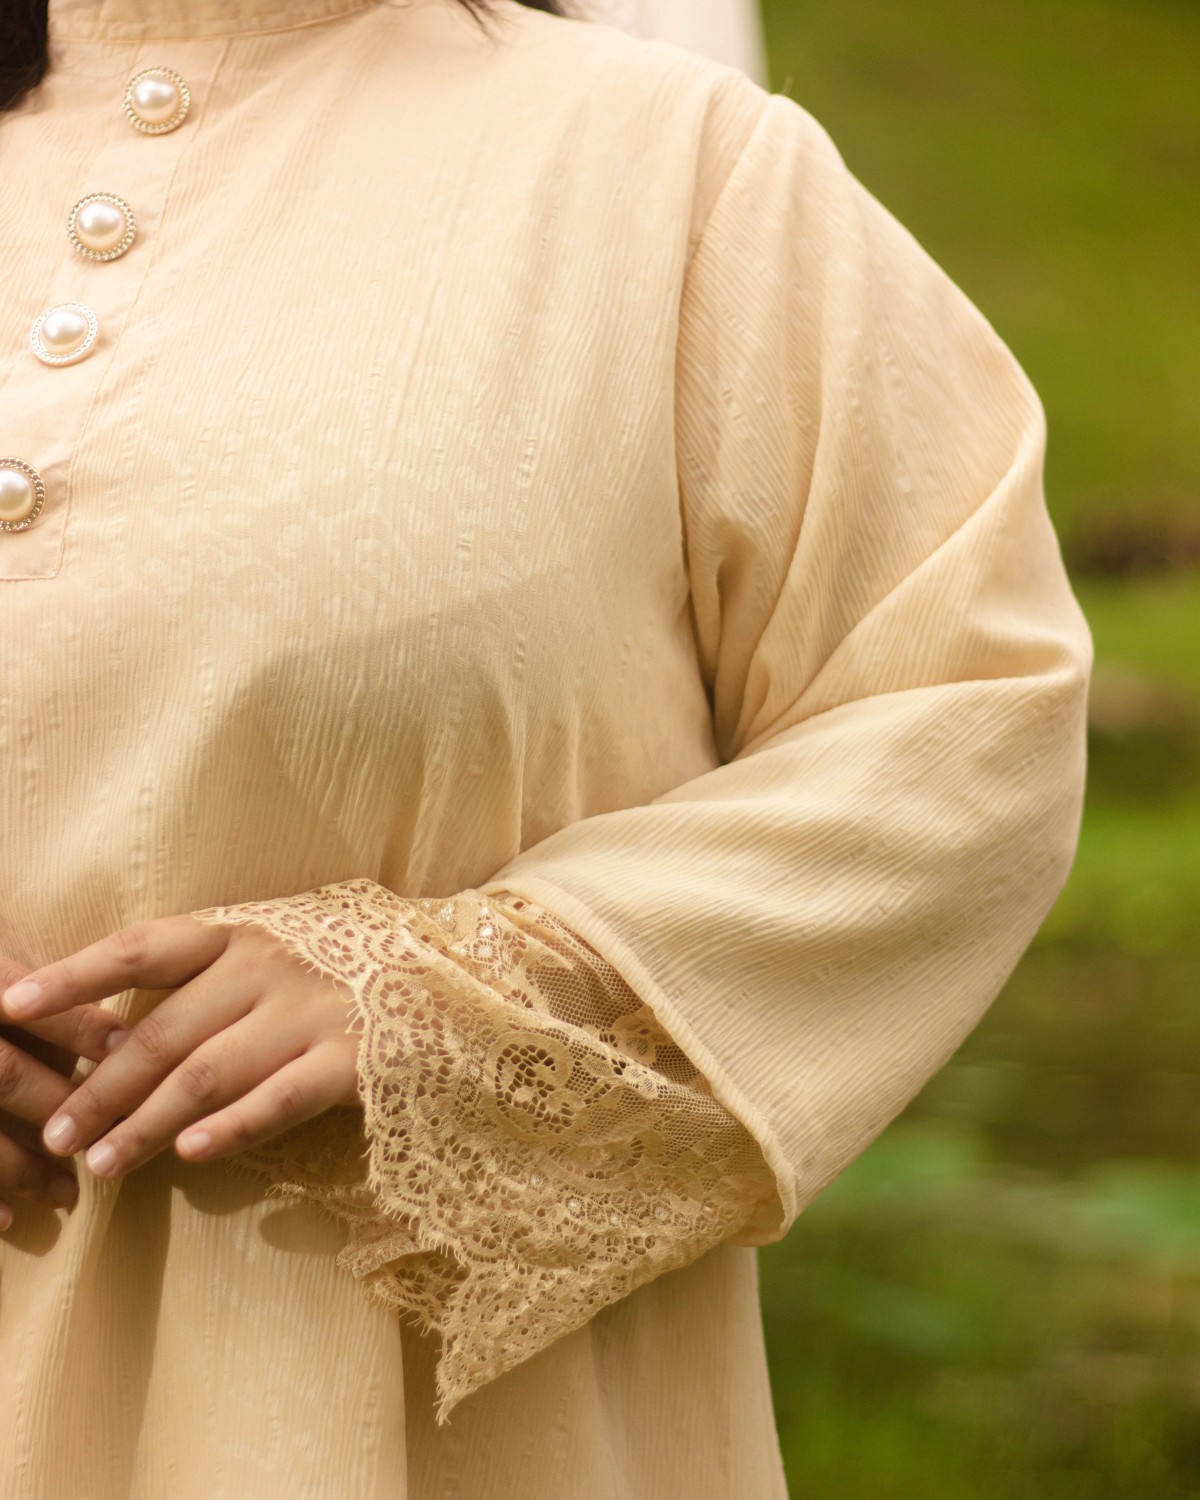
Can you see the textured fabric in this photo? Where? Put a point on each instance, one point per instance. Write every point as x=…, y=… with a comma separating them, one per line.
x=521, y=462
x=535, y=1146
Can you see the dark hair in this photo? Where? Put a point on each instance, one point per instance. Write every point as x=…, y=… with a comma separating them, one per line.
x=24, y=57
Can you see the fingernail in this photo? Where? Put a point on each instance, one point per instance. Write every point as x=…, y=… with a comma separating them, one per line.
x=194, y=1142
x=102, y=1159
x=21, y=997
x=63, y=1190
x=115, y=1038
x=59, y=1135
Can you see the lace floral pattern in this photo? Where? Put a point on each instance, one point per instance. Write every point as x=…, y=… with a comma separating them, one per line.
x=531, y=1147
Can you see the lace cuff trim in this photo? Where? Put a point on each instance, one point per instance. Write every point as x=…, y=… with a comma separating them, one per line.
x=532, y=1146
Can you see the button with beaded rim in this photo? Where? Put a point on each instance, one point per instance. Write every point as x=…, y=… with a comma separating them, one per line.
x=22, y=494
x=101, y=226
x=157, y=100
x=64, y=334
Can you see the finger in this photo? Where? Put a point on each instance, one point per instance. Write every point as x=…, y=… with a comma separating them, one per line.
x=160, y=954
x=5, y=1216
x=302, y=1088
x=219, y=1071
x=29, y=1137
x=84, y=1032
x=88, y=1030
x=21, y=1131
x=24, y=1174
x=58, y=1058
x=161, y=1041
x=29, y=1089
x=10, y=971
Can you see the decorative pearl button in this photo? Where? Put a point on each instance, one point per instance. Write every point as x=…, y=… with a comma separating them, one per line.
x=156, y=100
x=22, y=494
x=101, y=226
x=64, y=334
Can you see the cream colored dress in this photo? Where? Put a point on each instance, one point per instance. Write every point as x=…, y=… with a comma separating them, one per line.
x=531, y=530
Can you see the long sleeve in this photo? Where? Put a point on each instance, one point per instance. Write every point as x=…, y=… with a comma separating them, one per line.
x=895, y=661
x=532, y=1144
x=897, y=673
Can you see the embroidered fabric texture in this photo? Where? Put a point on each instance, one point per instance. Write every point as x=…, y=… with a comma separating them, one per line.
x=532, y=1146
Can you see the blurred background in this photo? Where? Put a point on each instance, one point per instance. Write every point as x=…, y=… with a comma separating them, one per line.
x=1001, y=1297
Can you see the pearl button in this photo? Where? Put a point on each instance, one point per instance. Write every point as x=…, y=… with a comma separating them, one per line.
x=63, y=330
x=22, y=494
x=101, y=226
x=156, y=100
x=64, y=334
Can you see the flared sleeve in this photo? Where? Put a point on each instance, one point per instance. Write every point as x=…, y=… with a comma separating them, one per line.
x=531, y=1145
x=675, y=1023
x=896, y=664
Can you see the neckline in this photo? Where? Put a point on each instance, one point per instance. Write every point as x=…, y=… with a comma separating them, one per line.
x=148, y=20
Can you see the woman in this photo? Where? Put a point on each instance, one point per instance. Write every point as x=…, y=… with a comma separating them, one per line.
x=543, y=703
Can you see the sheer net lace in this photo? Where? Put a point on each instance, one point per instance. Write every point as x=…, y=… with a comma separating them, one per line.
x=531, y=1145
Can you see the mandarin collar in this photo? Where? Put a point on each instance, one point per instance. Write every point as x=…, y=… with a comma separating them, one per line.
x=147, y=20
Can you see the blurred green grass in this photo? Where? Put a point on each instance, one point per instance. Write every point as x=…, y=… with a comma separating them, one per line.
x=1048, y=157
x=1001, y=1298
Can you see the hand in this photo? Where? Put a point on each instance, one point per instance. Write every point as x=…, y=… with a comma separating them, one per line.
x=36, y=1062
x=251, y=1042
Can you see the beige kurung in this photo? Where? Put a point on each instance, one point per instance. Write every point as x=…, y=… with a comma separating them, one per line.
x=524, y=497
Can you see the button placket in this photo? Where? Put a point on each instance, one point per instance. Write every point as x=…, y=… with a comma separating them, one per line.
x=44, y=406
